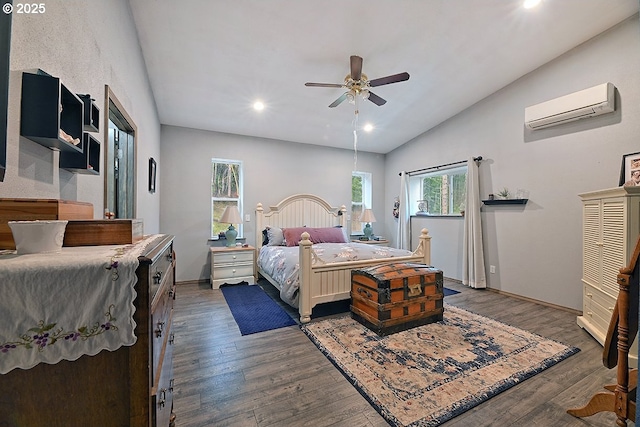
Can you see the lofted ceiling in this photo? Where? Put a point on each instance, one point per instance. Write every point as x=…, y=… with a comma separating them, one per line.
x=209, y=60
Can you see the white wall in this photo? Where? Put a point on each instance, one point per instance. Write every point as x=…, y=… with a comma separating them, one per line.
x=272, y=170
x=537, y=249
x=87, y=45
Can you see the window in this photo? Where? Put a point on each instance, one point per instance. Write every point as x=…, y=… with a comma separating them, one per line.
x=226, y=189
x=360, y=198
x=443, y=191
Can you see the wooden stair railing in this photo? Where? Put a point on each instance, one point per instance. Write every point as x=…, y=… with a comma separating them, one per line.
x=619, y=398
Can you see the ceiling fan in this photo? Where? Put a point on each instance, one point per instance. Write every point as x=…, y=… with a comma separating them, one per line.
x=357, y=83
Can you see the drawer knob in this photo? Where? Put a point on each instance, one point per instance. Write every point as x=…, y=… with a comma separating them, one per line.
x=157, y=277
x=171, y=339
x=159, y=329
x=170, y=257
x=589, y=294
x=171, y=385
x=234, y=257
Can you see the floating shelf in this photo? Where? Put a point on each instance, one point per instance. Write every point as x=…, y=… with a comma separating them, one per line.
x=48, y=106
x=506, y=202
x=91, y=122
x=87, y=162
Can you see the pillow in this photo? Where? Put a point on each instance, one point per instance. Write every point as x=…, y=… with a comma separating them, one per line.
x=275, y=236
x=292, y=235
x=265, y=237
x=327, y=235
x=344, y=233
x=317, y=235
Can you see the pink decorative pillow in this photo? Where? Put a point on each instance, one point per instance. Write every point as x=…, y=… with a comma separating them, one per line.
x=292, y=235
x=327, y=235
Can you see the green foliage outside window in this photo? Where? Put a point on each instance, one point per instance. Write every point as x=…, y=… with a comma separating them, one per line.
x=225, y=190
x=445, y=193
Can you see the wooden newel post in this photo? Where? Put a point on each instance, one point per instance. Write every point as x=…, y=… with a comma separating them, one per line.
x=619, y=398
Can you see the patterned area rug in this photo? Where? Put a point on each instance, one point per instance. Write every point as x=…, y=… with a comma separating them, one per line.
x=427, y=375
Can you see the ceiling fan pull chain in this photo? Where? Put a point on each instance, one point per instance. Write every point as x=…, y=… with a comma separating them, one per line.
x=355, y=137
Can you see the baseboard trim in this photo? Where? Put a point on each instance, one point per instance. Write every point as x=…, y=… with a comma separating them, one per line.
x=536, y=301
x=193, y=282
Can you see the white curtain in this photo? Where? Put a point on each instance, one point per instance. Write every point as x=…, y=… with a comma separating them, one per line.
x=473, y=271
x=402, y=237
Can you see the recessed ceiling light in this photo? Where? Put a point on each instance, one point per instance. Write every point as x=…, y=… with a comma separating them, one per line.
x=368, y=127
x=258, y=106
x=528, y=4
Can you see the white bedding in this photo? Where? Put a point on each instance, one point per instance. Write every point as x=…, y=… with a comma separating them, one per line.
x=281, y=262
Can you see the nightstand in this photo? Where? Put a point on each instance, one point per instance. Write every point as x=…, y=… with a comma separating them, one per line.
x=232, y=265
x=382, y=242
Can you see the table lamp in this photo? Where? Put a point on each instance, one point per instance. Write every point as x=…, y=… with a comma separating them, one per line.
x=231, y=216
x=367, y=216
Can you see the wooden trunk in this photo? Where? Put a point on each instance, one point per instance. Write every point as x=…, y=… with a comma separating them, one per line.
x=394, y=297
x=103, y=232
x=38, y=209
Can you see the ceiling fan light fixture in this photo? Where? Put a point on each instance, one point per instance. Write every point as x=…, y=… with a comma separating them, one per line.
x=351, y=96
x=365, y=94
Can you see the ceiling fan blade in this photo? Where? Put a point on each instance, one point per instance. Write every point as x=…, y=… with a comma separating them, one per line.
x=339, y=100
x=389, y=79
x=323, y=84
x=375, y=99
x=356, y=67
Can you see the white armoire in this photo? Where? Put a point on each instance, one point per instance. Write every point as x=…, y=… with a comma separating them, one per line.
x=610, y=229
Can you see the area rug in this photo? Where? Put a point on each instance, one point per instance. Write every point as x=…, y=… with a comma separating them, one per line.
x=427, y=375
x=253, y=310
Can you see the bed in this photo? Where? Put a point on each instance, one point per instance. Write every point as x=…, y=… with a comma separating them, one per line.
x=319, y=280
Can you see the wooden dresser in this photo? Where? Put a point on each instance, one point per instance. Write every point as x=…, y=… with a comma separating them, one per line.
x=131, y=386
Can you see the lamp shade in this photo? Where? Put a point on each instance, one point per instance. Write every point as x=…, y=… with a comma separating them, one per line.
x=231, y=215
x=367, y=216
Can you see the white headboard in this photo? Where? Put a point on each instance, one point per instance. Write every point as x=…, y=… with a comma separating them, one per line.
x=299, y=210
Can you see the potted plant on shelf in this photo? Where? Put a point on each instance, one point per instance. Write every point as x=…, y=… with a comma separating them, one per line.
x=504, y=193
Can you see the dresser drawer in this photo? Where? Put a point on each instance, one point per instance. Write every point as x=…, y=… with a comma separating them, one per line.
x=161, y=314
x=233, y=258
x=160, y=270
x=233, y=271
x=162, y=398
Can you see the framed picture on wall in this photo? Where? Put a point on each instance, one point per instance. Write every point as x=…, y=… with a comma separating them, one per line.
x=630, y=170
x=152, y=175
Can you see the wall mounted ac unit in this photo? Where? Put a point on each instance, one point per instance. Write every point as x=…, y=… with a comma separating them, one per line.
x=579, y=105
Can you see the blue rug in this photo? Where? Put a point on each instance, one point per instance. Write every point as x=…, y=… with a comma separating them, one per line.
x=253, y=310
x=448, y=292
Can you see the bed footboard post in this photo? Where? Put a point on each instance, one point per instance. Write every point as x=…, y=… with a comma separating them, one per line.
x=304, y=290
x=259, y=212
x=425, y=246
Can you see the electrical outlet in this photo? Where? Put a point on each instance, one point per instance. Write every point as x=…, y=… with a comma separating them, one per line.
x=247, y=218
x=492, y=269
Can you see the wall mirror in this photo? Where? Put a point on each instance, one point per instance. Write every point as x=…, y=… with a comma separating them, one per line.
x=120, y=159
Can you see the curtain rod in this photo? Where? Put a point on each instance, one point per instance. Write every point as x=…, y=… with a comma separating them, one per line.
x=477, y=159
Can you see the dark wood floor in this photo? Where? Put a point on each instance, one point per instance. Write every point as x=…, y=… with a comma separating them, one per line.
x=279, y=378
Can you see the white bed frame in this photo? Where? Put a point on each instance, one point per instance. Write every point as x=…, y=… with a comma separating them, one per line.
x=322, y=282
